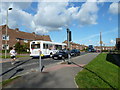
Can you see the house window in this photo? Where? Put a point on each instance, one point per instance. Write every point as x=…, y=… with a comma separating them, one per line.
x=4, y=46
x=26, y=41
x=4, y=37
x=17, y=39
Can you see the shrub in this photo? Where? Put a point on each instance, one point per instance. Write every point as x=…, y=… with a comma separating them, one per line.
x=21, y=48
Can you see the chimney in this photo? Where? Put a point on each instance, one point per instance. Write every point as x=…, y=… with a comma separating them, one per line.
x=33, y=32
x=5, y=26
x=17, y=29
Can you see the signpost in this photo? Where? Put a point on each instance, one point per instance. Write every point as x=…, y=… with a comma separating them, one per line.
x=40, y=64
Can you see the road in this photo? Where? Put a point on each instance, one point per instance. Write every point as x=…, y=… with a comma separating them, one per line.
x=56, y=76
x=23, y=67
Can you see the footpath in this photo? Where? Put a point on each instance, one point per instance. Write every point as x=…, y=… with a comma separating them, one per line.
x=54, y=76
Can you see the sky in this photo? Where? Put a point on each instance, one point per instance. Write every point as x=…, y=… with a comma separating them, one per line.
x=85, y=20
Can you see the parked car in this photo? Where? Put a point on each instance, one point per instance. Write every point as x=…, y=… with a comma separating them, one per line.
x=62, y=54
x=75, y=52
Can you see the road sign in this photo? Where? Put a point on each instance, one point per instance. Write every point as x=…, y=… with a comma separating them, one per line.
x=101, y=42
x=70, y=39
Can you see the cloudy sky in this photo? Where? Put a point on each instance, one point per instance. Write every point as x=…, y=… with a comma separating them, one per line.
x=85, y=19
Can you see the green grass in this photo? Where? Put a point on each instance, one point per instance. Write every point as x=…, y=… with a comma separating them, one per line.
x=102, y=69
x=8, y=56
x=6, y=82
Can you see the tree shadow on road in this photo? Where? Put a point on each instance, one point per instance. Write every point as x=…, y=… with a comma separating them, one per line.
x=14, y=67
x=17, y=71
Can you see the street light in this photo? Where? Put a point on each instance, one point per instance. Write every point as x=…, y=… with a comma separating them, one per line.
x=101, y=41
x=6, y=32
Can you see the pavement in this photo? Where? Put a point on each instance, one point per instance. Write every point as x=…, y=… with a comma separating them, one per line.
x=54, y=75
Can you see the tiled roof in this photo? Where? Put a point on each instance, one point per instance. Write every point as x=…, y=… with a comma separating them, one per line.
x=25, y=35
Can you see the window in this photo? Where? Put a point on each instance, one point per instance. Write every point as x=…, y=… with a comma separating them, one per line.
x=4, y=37
x=35, y=46
x=26, y=41
x=58, y=47
x=50, y=46
x=18, y=39
x=45, y=46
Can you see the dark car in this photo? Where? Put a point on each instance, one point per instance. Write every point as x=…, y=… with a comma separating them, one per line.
x=62, y=54
x=75, y=52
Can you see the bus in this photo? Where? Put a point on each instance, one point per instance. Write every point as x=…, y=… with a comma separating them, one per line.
x=91, y=48
x=47, y=48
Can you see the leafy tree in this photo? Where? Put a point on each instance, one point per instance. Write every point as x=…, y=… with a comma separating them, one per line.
x=21, y=48
x=18, y=47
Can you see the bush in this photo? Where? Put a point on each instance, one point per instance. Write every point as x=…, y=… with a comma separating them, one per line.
x=21, y=49
x=3, y=51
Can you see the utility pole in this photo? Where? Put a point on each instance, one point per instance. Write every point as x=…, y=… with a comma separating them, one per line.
x=101, y=41
x=68, y=37
x=68, y=43
x=6, y=32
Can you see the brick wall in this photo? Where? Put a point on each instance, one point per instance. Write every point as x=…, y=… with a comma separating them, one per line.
x=15, y=35
x=75, y=45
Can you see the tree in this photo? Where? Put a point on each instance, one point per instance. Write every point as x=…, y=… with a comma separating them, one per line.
x=18, y=47
x=21, y=48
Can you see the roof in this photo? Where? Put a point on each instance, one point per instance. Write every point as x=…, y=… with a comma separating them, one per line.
x=25, y=35
x=48, y=42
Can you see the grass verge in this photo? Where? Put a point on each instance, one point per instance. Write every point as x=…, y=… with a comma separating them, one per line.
x=99, y=73
x=6, y=82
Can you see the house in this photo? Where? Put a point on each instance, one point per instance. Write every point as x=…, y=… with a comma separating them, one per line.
x=75, y=45
x=118, y=43
x=14, y=36
x=104, y=47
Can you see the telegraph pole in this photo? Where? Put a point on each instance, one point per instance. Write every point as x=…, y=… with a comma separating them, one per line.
x=68, y=42
x=68, y=37
x=6, y=35
x=101, y=41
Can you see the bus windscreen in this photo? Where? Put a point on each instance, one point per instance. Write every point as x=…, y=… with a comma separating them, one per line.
x=35, y=46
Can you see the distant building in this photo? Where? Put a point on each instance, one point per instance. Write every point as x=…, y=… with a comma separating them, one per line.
x=118, y=43
x=14, y=36
x=104, y=47
x=75, y=45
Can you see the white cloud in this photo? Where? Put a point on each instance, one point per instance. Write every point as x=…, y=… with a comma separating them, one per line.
x=88, y=13
x=112, y=42
x=17, y=17
x=114, y=8
x=50, y=16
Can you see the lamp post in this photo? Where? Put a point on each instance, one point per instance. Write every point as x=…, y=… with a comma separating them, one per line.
x=6, y=32
x=101, y=41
